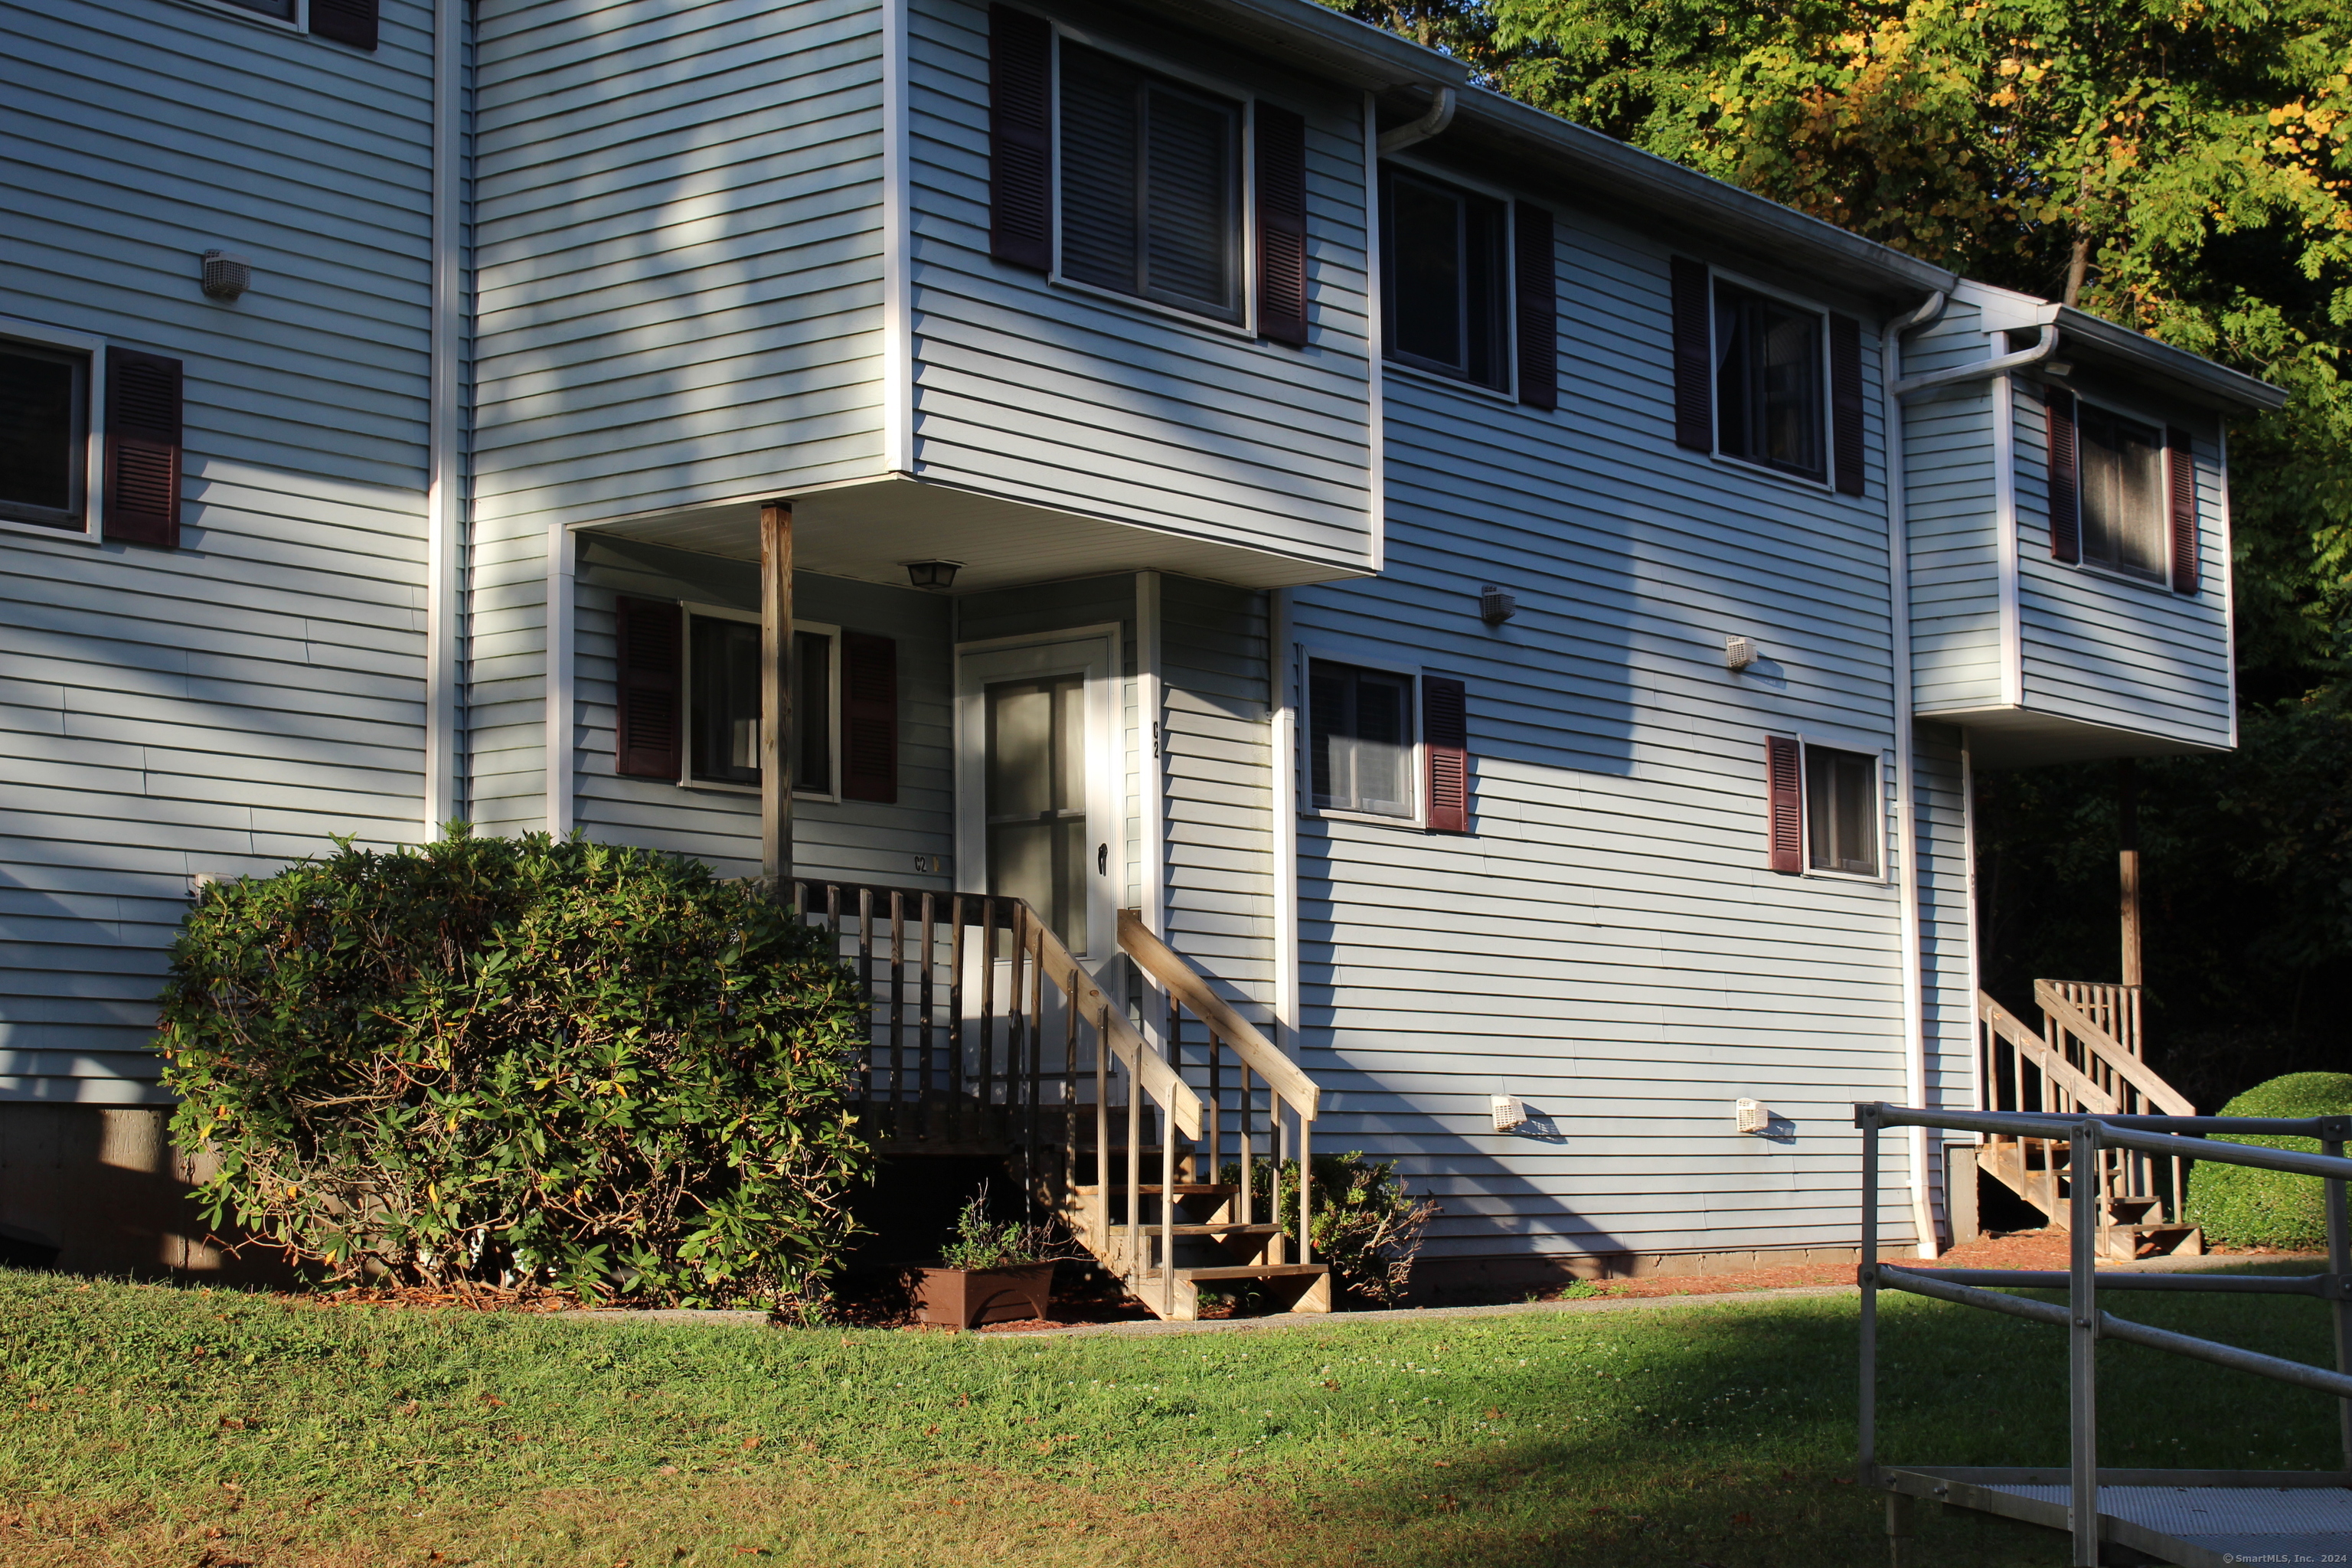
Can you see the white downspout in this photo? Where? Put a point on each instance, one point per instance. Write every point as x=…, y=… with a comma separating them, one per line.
x=1898, y=582
x=1283, y=745
x=444, y=514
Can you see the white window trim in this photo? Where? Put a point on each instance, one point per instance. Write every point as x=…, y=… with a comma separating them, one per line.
x=1508, y=393
x=2162, y=581
x=685, y=779
x=1827, y=483
x=1244, y=329
x=299, y=23
x=1805, y=744
x=93, y=487
x=1417, y=764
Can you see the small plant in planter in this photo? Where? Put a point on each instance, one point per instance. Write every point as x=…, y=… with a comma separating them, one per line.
x=991, y=1272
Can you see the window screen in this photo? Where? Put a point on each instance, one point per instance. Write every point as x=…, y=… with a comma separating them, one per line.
x=1444, y=276
x=43, y=456
x=1842, y=811
x=1151, y=185
x=1361, y=724
x=2121, y=464
x=1769, y=382
x=725, y=714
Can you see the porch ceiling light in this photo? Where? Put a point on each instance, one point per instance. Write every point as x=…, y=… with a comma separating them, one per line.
x=932, y=573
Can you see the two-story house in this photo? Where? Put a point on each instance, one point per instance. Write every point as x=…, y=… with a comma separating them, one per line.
x=1518, y=616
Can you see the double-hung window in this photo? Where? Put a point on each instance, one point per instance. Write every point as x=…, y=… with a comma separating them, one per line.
x=1842, y=811
x=1360, y=741
x=1771, y=393
x=724, y=709
x=2123, y=497
x=44, y=435
x=1447, y=292
x=1151, y=186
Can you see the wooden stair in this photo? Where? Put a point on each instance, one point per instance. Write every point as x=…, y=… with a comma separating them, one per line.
x=2085, y=1060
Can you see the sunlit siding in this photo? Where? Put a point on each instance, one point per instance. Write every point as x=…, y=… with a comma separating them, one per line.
x=217, y=709
x=679, y=287
x=1607, y=944
x=1046, y=392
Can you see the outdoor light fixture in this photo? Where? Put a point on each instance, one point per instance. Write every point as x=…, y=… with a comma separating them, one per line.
x=1738, y=653
x=226, y=275
x=1495, y=606
x=932, y=573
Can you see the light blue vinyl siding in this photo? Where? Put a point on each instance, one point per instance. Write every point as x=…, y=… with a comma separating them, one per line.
x=1050, y=394
x=2104, y=649
x=1951, y=509
x=679, y=285
x=1607, y=944
x=1218, y=773
x=852, y=840
x=217, y=709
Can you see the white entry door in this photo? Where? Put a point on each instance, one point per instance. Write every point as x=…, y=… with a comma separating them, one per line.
x=1037, y=780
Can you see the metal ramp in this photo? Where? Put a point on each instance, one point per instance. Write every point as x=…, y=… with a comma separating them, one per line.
x=2191, y=1517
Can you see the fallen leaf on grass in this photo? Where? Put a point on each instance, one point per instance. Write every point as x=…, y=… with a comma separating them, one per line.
x=1443, y=1464
x=1329, y=1384
x=1743, y=1518
x=752, y=1442
x=487, y=1399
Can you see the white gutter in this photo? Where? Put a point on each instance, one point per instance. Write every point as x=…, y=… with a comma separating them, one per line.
x=1899, y=389
x=444, y=502
x=1439, y=115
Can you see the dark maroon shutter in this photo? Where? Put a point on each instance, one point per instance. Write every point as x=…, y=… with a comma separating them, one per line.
x=1693, y=376
x=1538, y=308
x=143, y=448
x=647, y=732
x=1845, y=403
x=349, y=22
x=2180, y=471
x=1020, y=138
x=2065, y=487
x=1445, y=741
x=870, y=718
x=1784, y=810
x=1281, y=224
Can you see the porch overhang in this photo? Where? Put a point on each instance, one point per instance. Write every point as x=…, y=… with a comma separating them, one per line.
x=868, y=531
x=2004, y=738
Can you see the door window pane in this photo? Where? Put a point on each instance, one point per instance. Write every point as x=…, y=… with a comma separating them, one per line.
x=725, y=677
x=1150, y=186
x=2122, y=468
x=1768, y=384
x=1444, y=280
x=1037, y=799
x=42, y=454
x=1841, y=810
x=1359, y=748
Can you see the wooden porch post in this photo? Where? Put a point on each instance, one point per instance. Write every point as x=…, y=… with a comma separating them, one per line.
x=776, y=684
x=2127, y=864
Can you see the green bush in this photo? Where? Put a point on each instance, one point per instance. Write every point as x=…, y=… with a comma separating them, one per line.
x=1366, y=1226
x=2239, y=1206
x=525, y=1062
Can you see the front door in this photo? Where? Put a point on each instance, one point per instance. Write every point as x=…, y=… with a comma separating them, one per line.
x=1036, y=781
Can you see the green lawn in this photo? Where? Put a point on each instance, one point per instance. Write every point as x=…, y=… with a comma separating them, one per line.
x=165, y=1426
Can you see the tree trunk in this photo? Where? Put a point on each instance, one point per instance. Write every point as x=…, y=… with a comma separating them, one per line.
x=2078, y=262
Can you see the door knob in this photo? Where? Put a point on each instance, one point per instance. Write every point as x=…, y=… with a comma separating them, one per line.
x=1102, y=860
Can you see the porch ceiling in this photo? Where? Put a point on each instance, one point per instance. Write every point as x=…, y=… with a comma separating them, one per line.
x=2000, y=739
x=869, y=532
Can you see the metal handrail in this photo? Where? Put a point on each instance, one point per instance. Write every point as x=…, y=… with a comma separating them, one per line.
x=2081, y=1316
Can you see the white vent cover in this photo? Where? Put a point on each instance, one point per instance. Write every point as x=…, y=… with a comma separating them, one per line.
x=1752, y=1116
x=226, y=275
x=1738, y=653
x=1510, y=1113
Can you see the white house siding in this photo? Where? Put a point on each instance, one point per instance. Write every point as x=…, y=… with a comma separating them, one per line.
x=2129, y=654
x=1044, y=393
x=678, y=286
x=853, y=840
x=1607, y=944
x=222, y=706
x=1951, y=507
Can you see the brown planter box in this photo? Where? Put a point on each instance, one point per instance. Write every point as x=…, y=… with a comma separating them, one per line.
x=963, y=1298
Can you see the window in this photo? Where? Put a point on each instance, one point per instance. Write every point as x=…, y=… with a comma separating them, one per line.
x=723, y=710
x=2123, y=500
x=1151, y=186
x=44, y=435
x=1769, y=382
x=1443, y=274
x=1361, y=747
x=1842, y=811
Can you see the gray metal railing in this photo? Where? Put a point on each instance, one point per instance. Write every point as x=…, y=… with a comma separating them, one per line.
x=2086, y=1322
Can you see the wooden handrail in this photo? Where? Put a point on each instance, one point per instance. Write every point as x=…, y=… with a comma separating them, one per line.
x=2168, y=1100
x=2057, y=1068
x=1167, y=966
x=1150, y=1070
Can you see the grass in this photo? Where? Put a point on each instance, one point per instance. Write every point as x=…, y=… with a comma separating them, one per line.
x=157, y=1426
